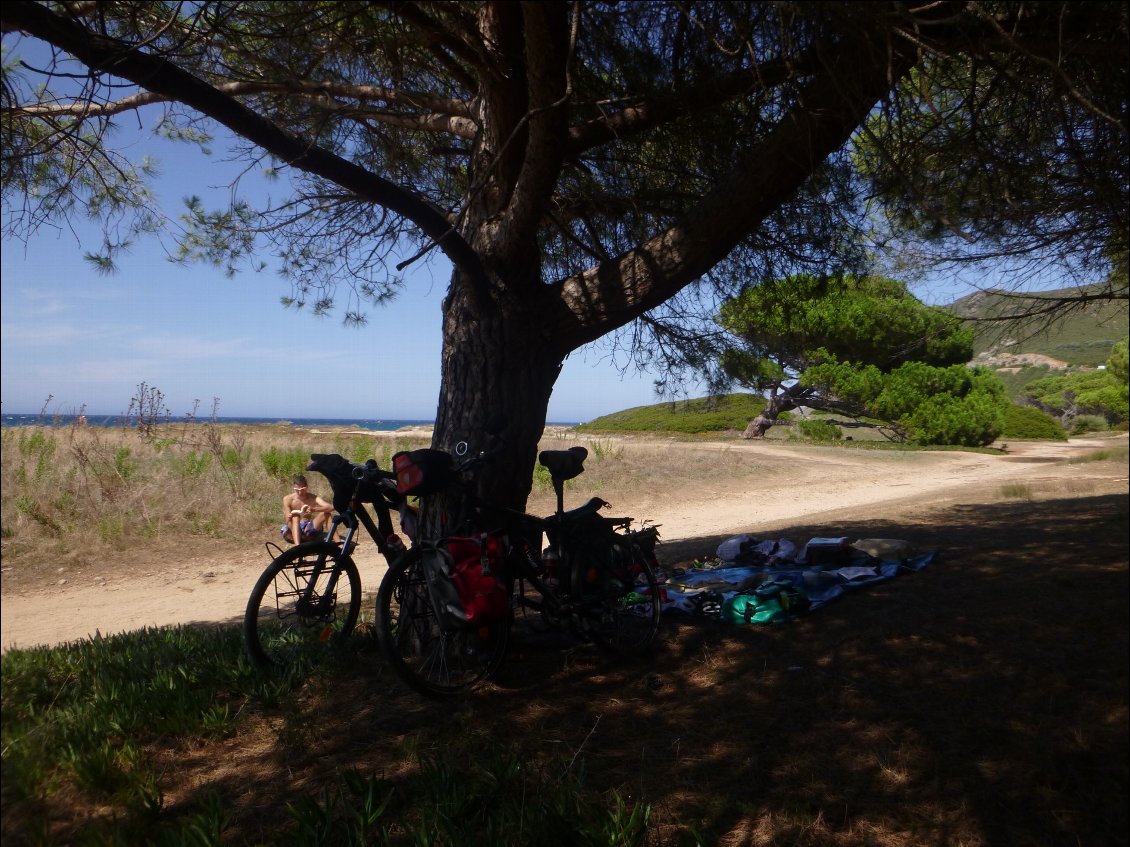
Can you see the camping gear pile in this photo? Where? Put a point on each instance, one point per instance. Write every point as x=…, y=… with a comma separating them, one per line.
x=764, y=581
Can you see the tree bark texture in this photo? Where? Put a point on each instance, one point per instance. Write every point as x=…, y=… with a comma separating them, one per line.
x=498, y=372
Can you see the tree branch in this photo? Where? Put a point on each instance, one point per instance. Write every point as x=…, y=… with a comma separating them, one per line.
x=547, y=58
x=161, y=77
x=822, y=119
x=647, y=113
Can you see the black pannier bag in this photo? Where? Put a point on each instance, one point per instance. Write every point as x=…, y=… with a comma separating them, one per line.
x=423, y=471
x=599, y=559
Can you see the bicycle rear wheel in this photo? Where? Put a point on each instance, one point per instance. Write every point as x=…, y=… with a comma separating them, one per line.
x=305, y=602
x=624, y=616
x=420, y=651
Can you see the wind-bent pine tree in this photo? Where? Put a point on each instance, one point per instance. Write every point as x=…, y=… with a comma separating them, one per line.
x=582, y=165
x=779, y=330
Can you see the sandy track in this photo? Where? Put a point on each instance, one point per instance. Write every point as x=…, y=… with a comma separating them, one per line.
x=213, y=587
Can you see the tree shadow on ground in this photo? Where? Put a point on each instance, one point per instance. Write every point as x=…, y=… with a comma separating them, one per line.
x=981, y=700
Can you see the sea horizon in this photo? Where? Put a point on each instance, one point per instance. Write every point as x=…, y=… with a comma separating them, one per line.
x=371, y=424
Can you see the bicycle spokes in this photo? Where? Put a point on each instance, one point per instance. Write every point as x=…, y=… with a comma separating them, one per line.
x=432, y=658
x=306, y=600
x=308, y=591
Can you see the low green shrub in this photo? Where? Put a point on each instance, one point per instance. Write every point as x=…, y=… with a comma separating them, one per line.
x=816, y=430
x=283, y=465
x=1028, y=422
x=190, y=465
x=707, y=414
x=1088, y=423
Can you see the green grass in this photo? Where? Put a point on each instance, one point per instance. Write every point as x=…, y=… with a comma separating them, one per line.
x=84, y=720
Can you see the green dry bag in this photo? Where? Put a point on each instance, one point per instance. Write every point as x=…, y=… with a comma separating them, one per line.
x=749, y=608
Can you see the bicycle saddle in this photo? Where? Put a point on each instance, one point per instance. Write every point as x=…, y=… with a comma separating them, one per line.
x=564, y=464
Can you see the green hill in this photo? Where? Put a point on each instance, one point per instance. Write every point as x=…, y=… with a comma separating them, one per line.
x=1082, y=338
x=718, y=414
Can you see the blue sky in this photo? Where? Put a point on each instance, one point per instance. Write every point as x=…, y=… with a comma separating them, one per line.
x=89, y=340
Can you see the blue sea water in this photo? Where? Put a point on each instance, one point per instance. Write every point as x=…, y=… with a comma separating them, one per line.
x=375, y=425
x=120, y=420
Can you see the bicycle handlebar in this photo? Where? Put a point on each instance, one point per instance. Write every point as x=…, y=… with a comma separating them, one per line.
x=369, y=472
x=347, y=479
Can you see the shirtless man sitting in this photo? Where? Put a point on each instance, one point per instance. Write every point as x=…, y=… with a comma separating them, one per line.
x=307, y=515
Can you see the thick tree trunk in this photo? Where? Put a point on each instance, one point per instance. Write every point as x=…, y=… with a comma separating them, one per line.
x=778, y=402
x=498, y=374
x=758, y=427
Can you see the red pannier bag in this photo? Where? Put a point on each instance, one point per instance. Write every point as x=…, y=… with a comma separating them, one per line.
x=476, y=567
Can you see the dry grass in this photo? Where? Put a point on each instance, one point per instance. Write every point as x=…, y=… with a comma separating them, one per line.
x=76, y=496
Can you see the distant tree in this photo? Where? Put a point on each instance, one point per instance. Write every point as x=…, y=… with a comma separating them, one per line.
x=782, y=329
x=584, y=166
x=1119, y=362
x=918, y=402
x=1099, y=392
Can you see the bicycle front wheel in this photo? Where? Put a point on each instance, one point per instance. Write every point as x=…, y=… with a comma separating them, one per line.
x=306, y=602
x=431, y=659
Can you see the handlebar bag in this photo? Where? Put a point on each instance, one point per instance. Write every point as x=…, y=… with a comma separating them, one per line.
x=423, y=471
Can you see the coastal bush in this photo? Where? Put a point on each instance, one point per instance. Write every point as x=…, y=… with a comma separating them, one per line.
x=1100, y=392
x=816, y=430
x=971, y=420
x=190, y=465
x=708, y=414
x=284, y=465
x=361, y=451
x=1030, y=422
x=1082, y=424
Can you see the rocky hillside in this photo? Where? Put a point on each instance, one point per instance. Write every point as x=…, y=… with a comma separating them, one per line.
x=1080, y=339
